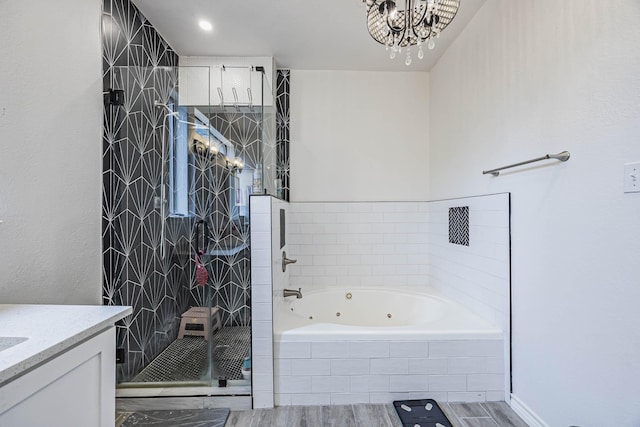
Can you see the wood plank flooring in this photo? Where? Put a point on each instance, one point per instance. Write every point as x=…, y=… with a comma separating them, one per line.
x=490, y=414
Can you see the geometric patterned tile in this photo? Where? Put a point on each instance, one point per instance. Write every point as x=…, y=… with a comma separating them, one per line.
x=459, y=225
x=160, y=288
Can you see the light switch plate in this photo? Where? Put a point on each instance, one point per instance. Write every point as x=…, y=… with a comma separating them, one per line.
x=632, y=177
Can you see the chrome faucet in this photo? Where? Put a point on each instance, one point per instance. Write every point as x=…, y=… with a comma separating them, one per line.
x=292, y=292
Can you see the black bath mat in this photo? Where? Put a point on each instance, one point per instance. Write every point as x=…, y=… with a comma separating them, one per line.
x=421, y=413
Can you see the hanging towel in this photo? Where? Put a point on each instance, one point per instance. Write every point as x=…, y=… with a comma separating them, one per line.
x=201, y=273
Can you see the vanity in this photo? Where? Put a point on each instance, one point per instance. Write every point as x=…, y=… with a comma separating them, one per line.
x=57, y=365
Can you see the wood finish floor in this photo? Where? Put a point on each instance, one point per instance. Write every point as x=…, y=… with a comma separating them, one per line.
x=491, y=414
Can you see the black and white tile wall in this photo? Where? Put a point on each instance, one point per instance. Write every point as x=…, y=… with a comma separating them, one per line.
x=137, y=60
x=282, y=126
x=160, y=285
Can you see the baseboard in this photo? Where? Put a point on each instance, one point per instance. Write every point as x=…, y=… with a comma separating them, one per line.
x=527, y=415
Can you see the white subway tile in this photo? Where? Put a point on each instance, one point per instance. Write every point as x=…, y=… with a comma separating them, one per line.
x=348, y=259
x=307, y=399
x=409, y=349
x=360, y=207
x=495, y=396
x=475, y=365
x=324, y=281
x=484, y=382
x=324, y=260
x=261, y=293
x=330, y=384
x=261, y=329
x=262, y=347
x=263, y=400
x=262, y=382
x=261, y=258
x=369, y=383
x=408, y=383
x=369, y=349
x=349, y=398
x=280, y=399
x=371, y=218
x=359, y=228
x=447, y=383
x=389, y=366
x=260, y=222
x=260, y=275
x=310, y=367
x=282, y=367
x=336, y=207
x=261, y=311
x=324, y=239
x=293, y=350
x=357, y=249
x=427, y=366
x=350, y=367
x=293, y=384
x=331, y=350
x=471, y=348
x=300, y=239
x=465, y=396
x=359, y=270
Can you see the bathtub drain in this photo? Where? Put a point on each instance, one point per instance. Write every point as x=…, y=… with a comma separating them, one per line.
x=338, y=314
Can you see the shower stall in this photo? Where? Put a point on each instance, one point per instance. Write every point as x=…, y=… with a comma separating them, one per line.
x=184, y=148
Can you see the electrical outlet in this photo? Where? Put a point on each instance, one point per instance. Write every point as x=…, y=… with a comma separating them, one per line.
x=632, y=177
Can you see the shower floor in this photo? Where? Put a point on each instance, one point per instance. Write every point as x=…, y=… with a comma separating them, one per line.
x=186, y=359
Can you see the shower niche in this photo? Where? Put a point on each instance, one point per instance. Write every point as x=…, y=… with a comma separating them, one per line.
x=179, y=167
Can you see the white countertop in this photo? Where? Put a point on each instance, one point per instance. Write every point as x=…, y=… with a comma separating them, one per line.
x=50, y=329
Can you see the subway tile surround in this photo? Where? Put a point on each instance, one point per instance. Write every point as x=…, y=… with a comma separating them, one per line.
x=391, y=244
x=339, y=372
x=359, y=244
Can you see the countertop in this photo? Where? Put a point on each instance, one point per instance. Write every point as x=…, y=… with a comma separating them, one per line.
x=50, y=329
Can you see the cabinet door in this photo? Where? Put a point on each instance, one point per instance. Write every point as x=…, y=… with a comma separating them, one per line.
x=76, y=388
x=193, y=86
x=235, y=82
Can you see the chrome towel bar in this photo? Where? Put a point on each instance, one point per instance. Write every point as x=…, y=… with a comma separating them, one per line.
x=562, y=156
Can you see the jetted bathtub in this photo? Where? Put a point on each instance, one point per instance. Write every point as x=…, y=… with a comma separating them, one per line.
x=377, y=314
x=376, y=345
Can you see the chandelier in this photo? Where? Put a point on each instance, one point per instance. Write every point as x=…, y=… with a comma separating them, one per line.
x=418, y=22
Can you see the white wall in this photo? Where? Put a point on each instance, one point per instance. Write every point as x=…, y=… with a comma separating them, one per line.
x=533, y=77
x=359, y=136
x=50, y=161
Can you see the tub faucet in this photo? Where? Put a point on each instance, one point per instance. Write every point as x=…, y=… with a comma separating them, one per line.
x=292, y=292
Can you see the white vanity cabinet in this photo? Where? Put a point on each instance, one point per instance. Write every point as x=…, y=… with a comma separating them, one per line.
x=70, y=381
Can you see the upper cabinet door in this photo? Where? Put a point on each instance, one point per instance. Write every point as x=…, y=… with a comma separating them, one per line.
x=235, y=82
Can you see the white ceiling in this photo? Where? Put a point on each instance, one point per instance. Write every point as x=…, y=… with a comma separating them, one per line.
x=300, y=34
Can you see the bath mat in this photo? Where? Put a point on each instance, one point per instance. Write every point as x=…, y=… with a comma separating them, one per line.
x=421, y=413
x=179, y=418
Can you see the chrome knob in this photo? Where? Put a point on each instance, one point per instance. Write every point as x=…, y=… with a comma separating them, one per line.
x=286, y=261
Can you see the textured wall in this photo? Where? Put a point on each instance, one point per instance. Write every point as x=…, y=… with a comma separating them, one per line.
x=527, y=78
x=50, y=121
x=359, y=136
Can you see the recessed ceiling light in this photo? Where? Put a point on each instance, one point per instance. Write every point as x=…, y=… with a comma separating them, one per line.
x=205, y=25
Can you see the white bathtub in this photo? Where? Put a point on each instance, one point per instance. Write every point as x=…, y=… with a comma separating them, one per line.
x=429, y=347
x=336, y=314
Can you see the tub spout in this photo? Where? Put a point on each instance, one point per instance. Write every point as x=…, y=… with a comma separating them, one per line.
x=292, y=292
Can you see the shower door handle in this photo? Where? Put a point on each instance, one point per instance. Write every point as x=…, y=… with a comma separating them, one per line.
x=286, y=261
x=202, y=226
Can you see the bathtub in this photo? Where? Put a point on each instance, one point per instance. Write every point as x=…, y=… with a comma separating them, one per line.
x=371, y=345
x=377, y=314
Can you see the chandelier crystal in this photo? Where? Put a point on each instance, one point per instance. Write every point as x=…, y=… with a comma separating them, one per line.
x=420, y=21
